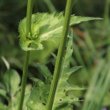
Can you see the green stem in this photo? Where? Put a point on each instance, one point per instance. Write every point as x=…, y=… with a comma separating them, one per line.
x=59, y=59
x=25, y=68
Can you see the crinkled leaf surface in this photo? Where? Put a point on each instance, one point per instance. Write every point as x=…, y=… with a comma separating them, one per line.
x=64, y=99
x=45, y=27
x=38, y=96
x=40, y=91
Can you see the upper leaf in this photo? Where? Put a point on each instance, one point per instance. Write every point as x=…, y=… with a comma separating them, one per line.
x=45, y=27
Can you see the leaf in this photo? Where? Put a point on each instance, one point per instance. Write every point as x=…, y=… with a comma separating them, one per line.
x=11, y=81
x=38, y=96
x=3, y=107
x=80, y=19
x=65, y=96
x=9, y=90
x=45, y=27
x=45, y=72
x=14, y=101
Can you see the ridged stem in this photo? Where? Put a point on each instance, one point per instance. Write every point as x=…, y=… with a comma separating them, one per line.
x=59, y=60
x=25, y=67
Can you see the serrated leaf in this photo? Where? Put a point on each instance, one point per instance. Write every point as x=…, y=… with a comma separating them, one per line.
x=45, y=27
x=63, y=98
x=80, y=19
x=65, y=92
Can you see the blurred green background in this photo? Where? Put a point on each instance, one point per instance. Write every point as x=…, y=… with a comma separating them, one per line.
x=91, y=40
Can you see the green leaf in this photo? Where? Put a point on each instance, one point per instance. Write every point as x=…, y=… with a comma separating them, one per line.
x=38, y=96
x=11, y=81
x=2, y=93
x=80, y=19
x=99, y=85
x=45, y=27
x=45, y=72
x=14, y=101
x=3, y=107
x=65, y=96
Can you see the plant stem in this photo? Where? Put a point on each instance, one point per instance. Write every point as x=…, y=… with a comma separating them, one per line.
x=59, y=60
x=25, y=68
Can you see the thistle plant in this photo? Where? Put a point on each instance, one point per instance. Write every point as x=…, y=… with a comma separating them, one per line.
x=40, y=29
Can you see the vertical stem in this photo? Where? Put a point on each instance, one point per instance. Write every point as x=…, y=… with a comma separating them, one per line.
x=25, y=67
x=24, y=80
x=59, y=59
